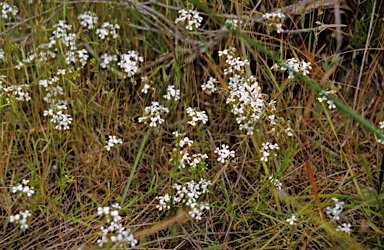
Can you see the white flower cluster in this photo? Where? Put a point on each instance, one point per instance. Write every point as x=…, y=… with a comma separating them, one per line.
x=266, y=150
x=275, y=21
x=346, y=228
x=24, y=188
x=209, y=87
x=234, y=64
x=275, y=182
x=336, y=210
x=88, y=19
x=59, y=119
x=64, y=37
x=20, y=92
x=77, y=56
x=233, y=23
x=323, y=97
x=108, y=29
x=61, y=33
x=7, y=9
x=248, y=103
x=114, y=212
x=193, y=161
x=293, y=65
x=147, y=84
x=196, y=116
x=185, y=158
x=41, y=54
x=292, y=220
x=113, y=141
x=187, y=194
x=107, y=59
x=129, y=62
x=21, y=218
x=172, y=93
x=190, y=18
x=115, y=232
x=224, y=153
x=152, y=114
x=196, y=160
x=181, y=142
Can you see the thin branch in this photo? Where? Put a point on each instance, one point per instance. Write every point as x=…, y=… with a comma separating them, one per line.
x=320, y=29
x=365, y=53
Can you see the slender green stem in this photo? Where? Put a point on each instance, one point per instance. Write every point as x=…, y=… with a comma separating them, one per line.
x=134, y=167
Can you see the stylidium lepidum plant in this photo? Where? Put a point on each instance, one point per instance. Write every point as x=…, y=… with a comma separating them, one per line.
x=146, y=83
x=22, y=217
x=196, y=116
x=108, y=30
x=190, y=18
x=152, y=115
x=274, y=21
x=323, y=98
x=224, y=153
x=293, y=65
x=346, y=228
x=209, y=87
x=8, y=10
x=129, y=62
x=172, y=93
x=115, y=232
x=113, y=141
x=187, y=195
x=249, y=104
x=266, y=150
x=88, y=19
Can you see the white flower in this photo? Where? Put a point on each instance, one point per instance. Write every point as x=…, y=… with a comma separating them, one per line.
x=172, y=93
x=88, y=19
x=13, y=218
x=336, y=210
x=209, y=87
x=116, y=206
x=293, y=65
x=275, y=182
x=61, y=71
x=103, y=210
x=2, y=55
x=233, y=22
x=8, y=9
x=25, y=214
x=190, y=18
x=146, y=86
x=196, y=116
x=107, y=59
x=108, y=29
x=129, y=62
x=292, y=220
x=346, y=228
x=113, y=141
x=381, y=124
x=265, y=156
x=152, y=114
x=28, y=191
x=224, y=153
x=274, y=20
x=116, y=216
